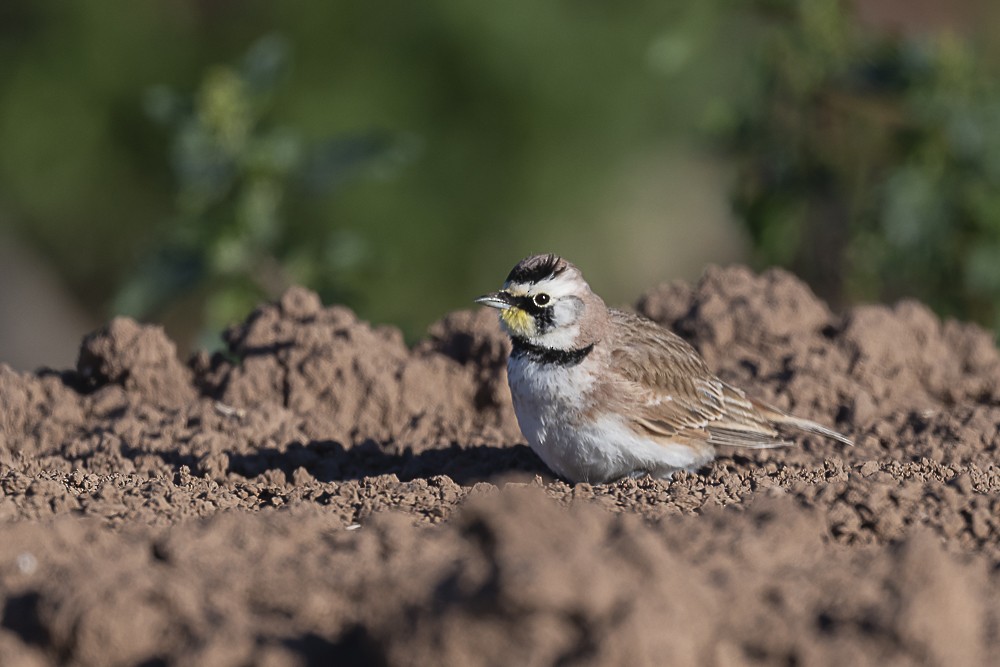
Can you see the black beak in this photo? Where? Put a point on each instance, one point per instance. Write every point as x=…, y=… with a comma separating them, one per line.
x=501, y=300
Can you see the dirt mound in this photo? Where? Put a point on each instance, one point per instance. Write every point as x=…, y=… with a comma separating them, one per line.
x=272, y=505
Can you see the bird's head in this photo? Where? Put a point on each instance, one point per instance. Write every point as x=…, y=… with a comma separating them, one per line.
x=546, y=302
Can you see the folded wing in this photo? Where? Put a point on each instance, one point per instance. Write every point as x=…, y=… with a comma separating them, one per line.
x=675, y=398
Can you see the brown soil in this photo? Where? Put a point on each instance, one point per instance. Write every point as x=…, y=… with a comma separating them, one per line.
x=324, y=495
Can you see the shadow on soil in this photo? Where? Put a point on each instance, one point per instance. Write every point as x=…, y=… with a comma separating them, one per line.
x=329, y=461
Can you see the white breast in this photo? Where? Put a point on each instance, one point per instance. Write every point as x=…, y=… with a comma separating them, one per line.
x=545, y=395
x=550, y=400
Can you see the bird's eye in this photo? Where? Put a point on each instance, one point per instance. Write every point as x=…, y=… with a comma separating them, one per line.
x=541, y=299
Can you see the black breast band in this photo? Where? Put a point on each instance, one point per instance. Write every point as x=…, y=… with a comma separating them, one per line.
x=547, y=355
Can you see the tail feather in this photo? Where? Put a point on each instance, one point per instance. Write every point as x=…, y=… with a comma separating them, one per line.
x=781, y=418
x=813, y=427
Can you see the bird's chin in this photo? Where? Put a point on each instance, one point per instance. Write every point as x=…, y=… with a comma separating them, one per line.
x=517, y=323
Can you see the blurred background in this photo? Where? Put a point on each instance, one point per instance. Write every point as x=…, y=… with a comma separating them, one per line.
x=181, y=160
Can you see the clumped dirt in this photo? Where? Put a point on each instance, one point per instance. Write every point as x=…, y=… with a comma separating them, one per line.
x=321, y=494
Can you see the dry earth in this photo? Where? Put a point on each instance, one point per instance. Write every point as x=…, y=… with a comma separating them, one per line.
x=321, y=494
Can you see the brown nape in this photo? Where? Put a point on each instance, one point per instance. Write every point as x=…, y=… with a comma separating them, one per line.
x=594, y=321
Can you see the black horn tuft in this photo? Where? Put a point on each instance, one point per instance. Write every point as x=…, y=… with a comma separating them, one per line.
x=537, y=268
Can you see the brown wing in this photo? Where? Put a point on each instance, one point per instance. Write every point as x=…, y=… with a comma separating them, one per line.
x=672, y=394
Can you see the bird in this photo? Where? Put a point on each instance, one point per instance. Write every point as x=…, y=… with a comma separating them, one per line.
x=602, y=394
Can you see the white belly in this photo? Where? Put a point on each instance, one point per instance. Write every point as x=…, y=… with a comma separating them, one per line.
x=548, y=402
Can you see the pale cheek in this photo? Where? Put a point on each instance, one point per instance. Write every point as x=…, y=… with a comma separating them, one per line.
x=560, y=338
x=565, y=314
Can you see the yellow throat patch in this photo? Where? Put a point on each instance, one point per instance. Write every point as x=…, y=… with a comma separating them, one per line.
x=519, y=322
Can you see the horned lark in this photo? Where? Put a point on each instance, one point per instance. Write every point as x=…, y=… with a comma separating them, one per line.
x=601, y=393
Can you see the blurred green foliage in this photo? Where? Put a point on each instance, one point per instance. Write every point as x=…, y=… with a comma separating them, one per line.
x=238, y=236
x=521, y=111
x=870, y=162
x=400, y=156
